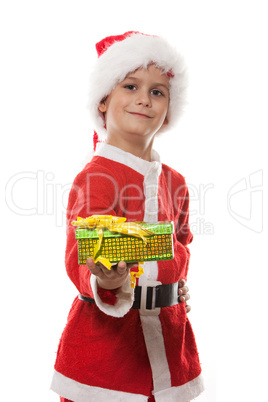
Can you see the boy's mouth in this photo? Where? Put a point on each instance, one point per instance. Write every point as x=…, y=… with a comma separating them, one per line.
x=142, y=115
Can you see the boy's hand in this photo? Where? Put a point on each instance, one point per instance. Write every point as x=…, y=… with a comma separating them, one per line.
x=183, y=294
x=110, y=279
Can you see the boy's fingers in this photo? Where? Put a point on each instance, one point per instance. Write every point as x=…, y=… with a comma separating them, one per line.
x=184, y=290
x=184, y=298
x=94, y=269
x=121, y=267
x=182, y=283
x=188, y=308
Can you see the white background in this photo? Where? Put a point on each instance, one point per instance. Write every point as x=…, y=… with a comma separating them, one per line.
x=47, y=50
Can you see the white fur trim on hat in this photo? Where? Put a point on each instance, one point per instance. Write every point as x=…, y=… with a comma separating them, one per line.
x=126, y=56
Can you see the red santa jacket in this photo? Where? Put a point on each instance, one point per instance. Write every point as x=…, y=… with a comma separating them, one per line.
x=110, y=352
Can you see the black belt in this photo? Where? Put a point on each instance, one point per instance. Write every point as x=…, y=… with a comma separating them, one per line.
x=156, y=296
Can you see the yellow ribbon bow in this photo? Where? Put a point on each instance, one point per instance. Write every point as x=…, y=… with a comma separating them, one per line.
x=113, y=224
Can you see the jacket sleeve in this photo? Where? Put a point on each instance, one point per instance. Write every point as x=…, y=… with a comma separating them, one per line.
x=183, y=232
x=92, y=193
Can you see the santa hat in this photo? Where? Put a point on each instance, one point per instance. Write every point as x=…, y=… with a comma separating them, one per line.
x=122, y=54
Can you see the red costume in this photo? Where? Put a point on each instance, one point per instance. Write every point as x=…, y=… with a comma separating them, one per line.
x=108, y=351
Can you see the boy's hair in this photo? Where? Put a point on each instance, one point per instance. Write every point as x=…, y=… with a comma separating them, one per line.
x=122, y=54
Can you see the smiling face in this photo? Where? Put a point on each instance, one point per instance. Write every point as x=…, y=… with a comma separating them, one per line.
x=137, y=108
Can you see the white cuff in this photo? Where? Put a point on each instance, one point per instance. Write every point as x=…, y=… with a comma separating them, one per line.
x=125, y=298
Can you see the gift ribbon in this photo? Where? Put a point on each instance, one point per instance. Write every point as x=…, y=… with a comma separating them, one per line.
x=136, y=274
x=113, y=224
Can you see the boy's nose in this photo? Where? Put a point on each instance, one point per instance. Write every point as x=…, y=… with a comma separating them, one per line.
x=144, y=99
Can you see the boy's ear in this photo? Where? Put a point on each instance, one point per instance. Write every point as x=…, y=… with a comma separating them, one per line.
x=102, y=107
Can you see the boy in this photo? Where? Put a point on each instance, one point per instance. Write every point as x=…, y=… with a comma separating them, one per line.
x=115, y=348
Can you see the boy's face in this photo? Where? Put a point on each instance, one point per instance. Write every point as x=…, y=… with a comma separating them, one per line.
x=138, y=106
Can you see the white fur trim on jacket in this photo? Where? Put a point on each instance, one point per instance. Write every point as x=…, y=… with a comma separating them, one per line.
x=126, y=56
x=183, y=393
x=118, y=155
x=125, y=299
x=78, y=392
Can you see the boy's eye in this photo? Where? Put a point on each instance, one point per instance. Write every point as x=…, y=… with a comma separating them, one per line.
x=130, y=86
x=156, y=92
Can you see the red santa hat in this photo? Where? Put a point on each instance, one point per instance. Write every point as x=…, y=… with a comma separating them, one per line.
x=122, y=54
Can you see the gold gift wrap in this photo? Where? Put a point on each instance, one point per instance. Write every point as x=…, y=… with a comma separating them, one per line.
x=157, y=245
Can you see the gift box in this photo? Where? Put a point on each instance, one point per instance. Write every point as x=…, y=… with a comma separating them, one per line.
x=115, y=247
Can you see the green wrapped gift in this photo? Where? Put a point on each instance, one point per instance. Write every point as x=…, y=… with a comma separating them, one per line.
x=126, y=247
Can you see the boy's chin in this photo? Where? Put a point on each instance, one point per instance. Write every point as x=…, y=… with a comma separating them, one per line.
x=142, y=131
x=141, y=134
